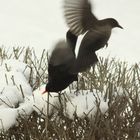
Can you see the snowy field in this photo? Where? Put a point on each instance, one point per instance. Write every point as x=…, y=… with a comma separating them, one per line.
x=107, y=99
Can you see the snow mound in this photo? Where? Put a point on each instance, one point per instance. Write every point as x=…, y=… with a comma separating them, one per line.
x=16, y=65
x=7, y=118
x=14, y=89
x=14, y=85
x=86, y=103
x=39, y=101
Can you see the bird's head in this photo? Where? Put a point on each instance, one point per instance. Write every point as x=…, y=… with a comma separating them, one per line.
x=114, y=23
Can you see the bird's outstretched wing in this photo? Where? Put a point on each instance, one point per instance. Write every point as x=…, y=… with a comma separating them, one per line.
x=78, y=15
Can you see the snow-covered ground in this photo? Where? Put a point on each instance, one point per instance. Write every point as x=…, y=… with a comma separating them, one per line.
x=18, y=99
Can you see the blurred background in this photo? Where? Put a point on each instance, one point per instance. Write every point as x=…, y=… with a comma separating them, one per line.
x=40, y=24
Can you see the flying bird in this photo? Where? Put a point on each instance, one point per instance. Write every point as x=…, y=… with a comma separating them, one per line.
x=60, y=63
x=80, y=19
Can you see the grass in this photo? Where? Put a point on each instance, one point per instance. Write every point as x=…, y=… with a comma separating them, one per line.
x=118, y=82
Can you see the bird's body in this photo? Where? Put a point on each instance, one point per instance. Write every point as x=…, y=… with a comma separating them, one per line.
x=60, y=63
x=81, y=20
x=95, y=37
x=59, y=78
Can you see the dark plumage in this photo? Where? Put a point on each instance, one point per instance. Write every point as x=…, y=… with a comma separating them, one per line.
x=60, y=63
x=81, y=20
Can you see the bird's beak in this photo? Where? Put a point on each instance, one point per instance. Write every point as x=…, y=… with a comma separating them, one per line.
x=119, y=26
x=44, y=92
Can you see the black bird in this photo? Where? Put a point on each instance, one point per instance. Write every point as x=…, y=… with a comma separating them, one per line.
x=80, y=20
x=60, y=63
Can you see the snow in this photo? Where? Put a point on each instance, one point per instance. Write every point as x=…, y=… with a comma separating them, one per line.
x=39, y=101
x=25, y=109
x=14, y=85
x=85, y=104
x=15, y=102
x=7, y=118
x=14, y=65
x=14, y=88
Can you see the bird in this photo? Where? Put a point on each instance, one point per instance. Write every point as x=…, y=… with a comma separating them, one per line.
x=60, y=63
x=80, y=19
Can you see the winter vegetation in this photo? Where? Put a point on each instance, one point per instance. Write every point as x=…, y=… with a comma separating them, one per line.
x=103, y=105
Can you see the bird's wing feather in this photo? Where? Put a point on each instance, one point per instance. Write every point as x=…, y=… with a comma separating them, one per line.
x=84, y=62
x=60, y=61
x=61, y=55
x=79, y=16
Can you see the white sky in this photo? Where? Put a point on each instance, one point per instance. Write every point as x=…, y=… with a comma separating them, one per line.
x=40, y=23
